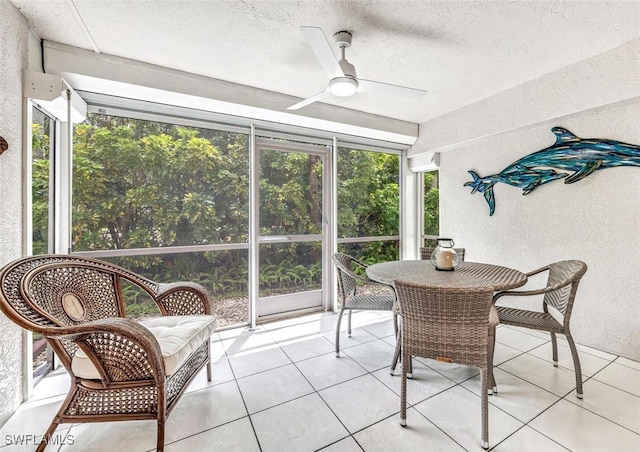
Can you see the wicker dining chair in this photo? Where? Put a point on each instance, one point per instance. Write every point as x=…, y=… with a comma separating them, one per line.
x=452, y=325
x=426, y=252
x=560, y=292
x=120, y=369
x=351, y=300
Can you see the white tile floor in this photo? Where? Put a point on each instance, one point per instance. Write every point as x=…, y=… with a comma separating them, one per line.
x=281, y=388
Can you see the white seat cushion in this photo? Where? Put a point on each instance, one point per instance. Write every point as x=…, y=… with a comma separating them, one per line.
x=178, y=336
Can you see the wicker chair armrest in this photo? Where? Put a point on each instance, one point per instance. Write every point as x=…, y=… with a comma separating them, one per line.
x=526, y=293
x=541, y=291
x=183, y=298
x=121, y=349
x=517, y=293
x=537, y=271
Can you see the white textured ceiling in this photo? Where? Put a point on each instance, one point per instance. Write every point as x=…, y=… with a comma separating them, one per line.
x=458, y=51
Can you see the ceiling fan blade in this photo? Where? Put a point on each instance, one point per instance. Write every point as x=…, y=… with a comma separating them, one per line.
x=316, y=97
x=385, y=89
x=323, y=51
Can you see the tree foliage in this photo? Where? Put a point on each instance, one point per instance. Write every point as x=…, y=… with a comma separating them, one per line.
x=40, y=186
x=368, y=201
x=431, y=203
x=140, y=184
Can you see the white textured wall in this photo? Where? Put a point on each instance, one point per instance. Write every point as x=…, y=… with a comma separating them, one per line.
x=596, y=220
x=13, y=58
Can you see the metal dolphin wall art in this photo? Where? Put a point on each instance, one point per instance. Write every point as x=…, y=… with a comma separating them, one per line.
x=570, y=158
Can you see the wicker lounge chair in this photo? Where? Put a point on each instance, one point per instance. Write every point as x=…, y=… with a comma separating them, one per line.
x=120, y=369
x=450, y=325
x=559, y=293
x=351, y=300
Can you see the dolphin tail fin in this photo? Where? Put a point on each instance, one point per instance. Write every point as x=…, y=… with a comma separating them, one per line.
x=482, y=186
x=476, y=183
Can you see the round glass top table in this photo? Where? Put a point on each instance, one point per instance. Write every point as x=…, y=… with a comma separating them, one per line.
x=466, y=274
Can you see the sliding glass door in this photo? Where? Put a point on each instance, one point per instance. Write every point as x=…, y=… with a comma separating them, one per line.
x=292, y=238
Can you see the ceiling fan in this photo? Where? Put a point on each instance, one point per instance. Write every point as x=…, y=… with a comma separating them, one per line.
x=344, y=82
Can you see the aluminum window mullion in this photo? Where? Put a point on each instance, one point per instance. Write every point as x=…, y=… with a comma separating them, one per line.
x=290, y=238
x=254, y=187
x=269, y=136
x=377, y=238
x=319, y=149
x=27, y=245
x=332, y=225
x=62, y=187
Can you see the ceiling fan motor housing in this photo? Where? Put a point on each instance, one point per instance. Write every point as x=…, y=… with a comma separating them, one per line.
x=343, y=38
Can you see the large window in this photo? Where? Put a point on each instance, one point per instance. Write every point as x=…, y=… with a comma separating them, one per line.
x=176, y=198
x=368, y=204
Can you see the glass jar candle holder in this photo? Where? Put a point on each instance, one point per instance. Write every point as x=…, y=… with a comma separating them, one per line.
x=444, y=257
